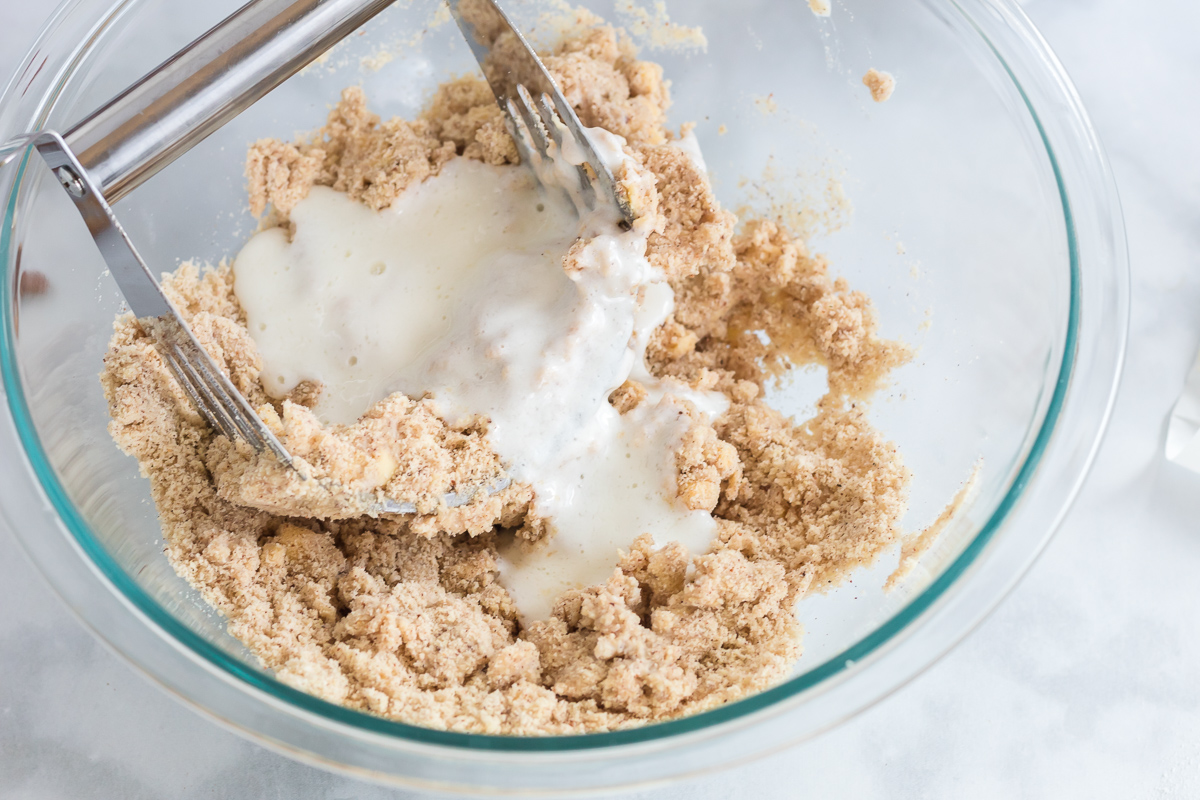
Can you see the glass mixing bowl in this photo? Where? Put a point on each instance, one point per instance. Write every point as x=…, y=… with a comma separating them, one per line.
x=985, y=227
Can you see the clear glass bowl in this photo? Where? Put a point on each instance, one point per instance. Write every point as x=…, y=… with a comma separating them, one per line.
x=986, y=229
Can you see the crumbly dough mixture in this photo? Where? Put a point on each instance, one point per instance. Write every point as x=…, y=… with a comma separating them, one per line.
x=881, y=84
x=404, y=617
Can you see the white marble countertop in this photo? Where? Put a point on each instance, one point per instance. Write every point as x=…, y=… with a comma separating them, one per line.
x=1082, y=684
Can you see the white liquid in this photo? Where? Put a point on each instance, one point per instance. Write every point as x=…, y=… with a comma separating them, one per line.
x=623, y=487
x=473, y=307
x=359, y=295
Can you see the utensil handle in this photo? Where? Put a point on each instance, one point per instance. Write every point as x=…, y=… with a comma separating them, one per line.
x=206, y=84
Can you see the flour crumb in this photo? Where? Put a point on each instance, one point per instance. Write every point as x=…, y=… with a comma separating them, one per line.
x=916, y=545
x=810, y=204
x=766, y=104
x=881, y=84
x=376, y=61
x=653, y=28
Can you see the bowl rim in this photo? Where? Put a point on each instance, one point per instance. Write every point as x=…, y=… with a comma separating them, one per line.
x=241, y=672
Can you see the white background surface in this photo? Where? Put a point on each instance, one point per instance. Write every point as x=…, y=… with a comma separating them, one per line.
x=1085, y=683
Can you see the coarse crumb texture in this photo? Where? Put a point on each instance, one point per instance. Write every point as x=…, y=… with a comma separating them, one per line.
x=881, y=84
x=405, y=616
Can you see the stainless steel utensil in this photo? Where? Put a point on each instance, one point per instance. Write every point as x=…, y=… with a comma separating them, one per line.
x=517, y=76
x=156, y=120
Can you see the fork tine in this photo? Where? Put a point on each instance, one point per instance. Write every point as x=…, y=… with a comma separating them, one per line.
x=511, y=69
x=228, y=408
x=520, y=138
x=227, y=423
x=187, y=381
x=550, y=120
x=208, y=394
x=555, y=127
x=528, y=127
x=220, y=397
x=533, y=125
x=188, y=389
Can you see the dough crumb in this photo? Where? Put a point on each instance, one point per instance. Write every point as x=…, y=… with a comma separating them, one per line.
x=916, y=545
x=766, y=104
x=653, y=28
x=820, y=7
x=881, y=84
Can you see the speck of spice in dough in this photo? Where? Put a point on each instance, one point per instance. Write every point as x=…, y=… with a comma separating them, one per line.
x=405, y=617
x=881, y=84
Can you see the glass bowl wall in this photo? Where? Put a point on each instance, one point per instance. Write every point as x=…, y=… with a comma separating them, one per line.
x=984, y=227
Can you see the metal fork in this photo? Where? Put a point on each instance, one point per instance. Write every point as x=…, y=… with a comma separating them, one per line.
x=517, y=76
x=209, y=389
x=155, y=121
